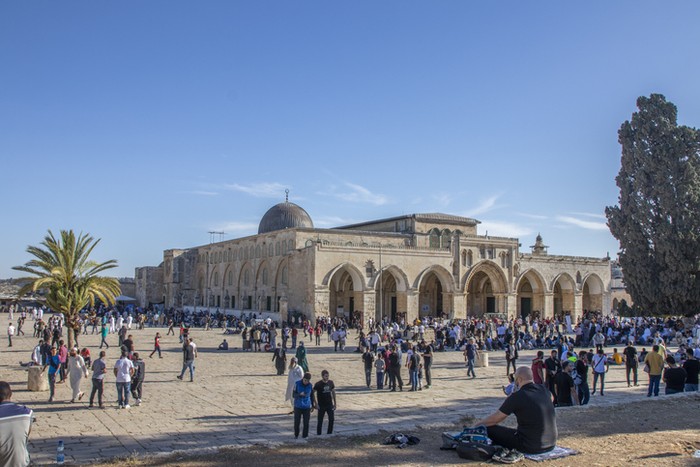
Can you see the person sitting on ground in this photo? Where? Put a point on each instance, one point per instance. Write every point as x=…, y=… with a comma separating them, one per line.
x=223, y=345
x=532, y=405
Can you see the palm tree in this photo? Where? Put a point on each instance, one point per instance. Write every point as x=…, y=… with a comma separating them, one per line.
x=63, y=267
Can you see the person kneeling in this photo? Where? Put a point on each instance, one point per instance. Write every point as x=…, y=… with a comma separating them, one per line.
x=532, y=405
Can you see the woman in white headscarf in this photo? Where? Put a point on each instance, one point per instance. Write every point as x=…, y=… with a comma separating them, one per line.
x=295, y=374
x=77, y=370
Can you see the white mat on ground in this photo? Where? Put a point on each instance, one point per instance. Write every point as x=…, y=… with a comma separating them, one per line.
x=555, y=453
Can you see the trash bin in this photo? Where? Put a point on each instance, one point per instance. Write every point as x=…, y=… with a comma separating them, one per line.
x=482, y=360
x=36, y=380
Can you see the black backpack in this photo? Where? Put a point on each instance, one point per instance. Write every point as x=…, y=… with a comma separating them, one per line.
x=475, y=451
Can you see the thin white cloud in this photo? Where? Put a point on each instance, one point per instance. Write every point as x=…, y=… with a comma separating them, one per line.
x=503, y=229
x=485, y=205
x=584, y=224
x=359, y=194
x=259, y=190
x=443, y=199
x=537, y=217
x=590, y=214
x=203, y=193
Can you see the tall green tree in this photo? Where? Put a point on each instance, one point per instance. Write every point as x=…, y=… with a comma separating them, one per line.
x=657, y=221
x=64, y=269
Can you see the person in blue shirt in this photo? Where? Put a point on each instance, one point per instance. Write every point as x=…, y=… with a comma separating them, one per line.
x=302, y=404
x=54, y=364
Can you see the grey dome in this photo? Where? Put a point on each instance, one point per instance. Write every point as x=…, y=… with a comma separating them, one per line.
x=284, y=216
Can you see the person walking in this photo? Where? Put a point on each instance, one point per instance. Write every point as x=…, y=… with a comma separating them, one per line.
x=470, y=354
x=654, y=361
x=123, y=370
x=324, y=401
x=10, y=333
x=280, y=359
x=428, y=364
x=368, y=360
x=303, y=391
x=600, y=367
x=692, y=368
x=99, y=370
x=395, y=371
x=103, y=333
x=137, y=380
x=631, y=362
x=77, y=370
x=301, y=356
x=16, y=423
x=582, y=389
x=380, y=367
x=156, y=346
x=189, y=353
x=54, y=365
x=295, y=374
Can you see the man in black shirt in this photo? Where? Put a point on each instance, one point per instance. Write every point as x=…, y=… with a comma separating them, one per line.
x=368, y=359
x=631, y=362
x=564, y=386
x=692, y=368
x=324, y=401
x=552, y=365
x=533, y=409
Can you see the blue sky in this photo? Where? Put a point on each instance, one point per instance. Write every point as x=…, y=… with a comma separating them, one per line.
x=148, y=124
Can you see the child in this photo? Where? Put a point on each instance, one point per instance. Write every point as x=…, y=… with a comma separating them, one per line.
x=510, y=389
x=420, y=377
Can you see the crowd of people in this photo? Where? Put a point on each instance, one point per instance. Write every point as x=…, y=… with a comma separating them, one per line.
x=387, y=351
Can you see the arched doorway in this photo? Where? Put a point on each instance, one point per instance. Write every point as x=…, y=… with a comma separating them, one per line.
x=434, y=293
x=486, y=290
x=593, y=293
x=530, y=301
x=564, y=289
x=386, y=298
x=345, y=292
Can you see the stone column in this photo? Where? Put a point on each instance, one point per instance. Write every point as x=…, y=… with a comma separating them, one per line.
x=578, y=307
x=369, y=303
x=512, y=305
x=321, y=303
x=460, y=305
x=548, y=309
x=412, y=305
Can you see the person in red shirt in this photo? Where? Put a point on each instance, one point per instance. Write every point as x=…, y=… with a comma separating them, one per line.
x=538, y=368
x=156, y=346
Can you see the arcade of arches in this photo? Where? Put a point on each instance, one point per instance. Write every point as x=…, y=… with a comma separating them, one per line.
x=485, y=292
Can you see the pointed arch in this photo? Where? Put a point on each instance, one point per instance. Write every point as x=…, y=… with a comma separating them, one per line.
x=400, y=277
x=593, y=289
x=442, y=274
x=356, y=275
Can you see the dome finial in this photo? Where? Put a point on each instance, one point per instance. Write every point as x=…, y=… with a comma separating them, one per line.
x=286, y=195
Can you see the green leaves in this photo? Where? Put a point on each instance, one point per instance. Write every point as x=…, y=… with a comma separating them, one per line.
x=657, y=221
x=63, y=267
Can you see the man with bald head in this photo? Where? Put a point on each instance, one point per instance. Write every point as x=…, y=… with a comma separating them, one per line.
x=532, y=405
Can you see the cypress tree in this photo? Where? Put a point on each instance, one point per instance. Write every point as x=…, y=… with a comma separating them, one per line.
x=657, y=221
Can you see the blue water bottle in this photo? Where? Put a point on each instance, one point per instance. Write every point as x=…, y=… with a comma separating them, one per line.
x=60, y=456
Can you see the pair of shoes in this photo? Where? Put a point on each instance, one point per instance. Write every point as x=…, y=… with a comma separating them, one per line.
x=127, y=406
x=179, y=377
x=508, y=456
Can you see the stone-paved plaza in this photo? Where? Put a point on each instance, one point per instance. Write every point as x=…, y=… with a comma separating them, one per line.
x=238, y=400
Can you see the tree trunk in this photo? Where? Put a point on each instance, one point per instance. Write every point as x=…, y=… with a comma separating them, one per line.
x=71, y=335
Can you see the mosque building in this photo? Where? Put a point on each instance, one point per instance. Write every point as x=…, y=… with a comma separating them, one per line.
x=402, y=267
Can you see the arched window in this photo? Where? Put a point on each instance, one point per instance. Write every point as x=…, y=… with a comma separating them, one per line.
x=284, y=275
x=470, y=258
x=277, y=248
x=246, y=278
x=216, y=279
x=270, y=250
x=264, y=276
x=464, y=257
x=446, y=238
x=230, y=278
x=257, y=251
x=434, y=239
x=482, y=252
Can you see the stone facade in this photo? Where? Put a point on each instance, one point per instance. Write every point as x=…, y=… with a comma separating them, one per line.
x=148, y=285
x=405, y=267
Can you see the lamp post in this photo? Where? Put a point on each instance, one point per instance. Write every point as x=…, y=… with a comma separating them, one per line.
x=381, y=295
